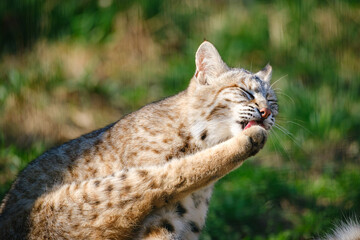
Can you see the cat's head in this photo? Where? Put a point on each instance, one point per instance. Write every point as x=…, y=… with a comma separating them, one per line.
x=224, y=101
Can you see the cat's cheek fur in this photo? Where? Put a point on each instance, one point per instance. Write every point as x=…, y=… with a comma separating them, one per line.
x=210, y=133
x=219, y=132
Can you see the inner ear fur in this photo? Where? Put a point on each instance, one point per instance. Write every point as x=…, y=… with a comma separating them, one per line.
x=265, y=73
x=209, y=64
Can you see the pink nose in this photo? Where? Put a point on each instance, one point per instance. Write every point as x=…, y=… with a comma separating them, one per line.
x=265, y=113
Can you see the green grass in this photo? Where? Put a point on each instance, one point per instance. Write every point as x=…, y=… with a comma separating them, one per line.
x=263, y=203
x=84, y=64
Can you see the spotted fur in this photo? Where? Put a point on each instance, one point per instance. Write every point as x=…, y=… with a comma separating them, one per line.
x=150, y=174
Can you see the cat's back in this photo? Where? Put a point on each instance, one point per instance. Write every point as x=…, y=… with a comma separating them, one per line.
x=152, y=131
x=50, y=170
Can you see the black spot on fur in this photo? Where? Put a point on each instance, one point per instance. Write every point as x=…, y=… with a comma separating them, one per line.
x=167, y=225
x=204, y=135
x=184, y=148
x=196, y=199
x=180, y=210
x=127, y=188
x=96, y=183
x=123, y=176
x=93, y=217
x=194, y=227
x=143, y=173
x=167, y=198
x=110, y=188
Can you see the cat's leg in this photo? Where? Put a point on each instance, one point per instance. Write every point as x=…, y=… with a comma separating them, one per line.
x=113, y=207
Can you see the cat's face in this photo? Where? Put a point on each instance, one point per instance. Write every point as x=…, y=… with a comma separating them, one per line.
x=226, y=100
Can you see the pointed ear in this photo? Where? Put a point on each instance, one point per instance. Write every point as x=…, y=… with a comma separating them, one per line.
x=265, y=73
x=209, y=64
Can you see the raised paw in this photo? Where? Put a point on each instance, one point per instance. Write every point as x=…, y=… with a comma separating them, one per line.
x=257, y=136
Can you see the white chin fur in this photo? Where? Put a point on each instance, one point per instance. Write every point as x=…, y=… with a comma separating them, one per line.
x=235, y=129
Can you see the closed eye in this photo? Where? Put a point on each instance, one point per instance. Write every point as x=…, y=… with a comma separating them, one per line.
x=248, y=94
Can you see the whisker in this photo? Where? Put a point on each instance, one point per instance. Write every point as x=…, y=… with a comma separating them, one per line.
x=246, y=108
x=277, y=151
x=277, y=90
x=284, y=118
x=278, y=80
x=283, y=149
x=298, y=124
x=288, y=134
x=283, y=128
x=273, y=132
x=284, y=94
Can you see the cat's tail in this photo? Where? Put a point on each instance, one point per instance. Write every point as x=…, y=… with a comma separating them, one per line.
x=347, y=230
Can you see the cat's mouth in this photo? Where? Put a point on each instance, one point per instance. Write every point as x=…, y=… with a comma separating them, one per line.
x=246, y=124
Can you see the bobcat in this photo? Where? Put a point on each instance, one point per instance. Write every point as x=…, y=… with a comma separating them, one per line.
x=149, y=175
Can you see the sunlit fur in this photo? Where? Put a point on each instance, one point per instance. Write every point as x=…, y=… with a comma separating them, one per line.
x=220, y=105
x=226, y=105
x=149, y=175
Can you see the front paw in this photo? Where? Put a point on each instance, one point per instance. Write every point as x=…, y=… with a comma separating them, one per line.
x=257, y=137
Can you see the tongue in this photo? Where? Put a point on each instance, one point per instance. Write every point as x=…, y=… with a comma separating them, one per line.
x=251, y=123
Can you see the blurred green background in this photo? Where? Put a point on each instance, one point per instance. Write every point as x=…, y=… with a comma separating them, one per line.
x=68, y=67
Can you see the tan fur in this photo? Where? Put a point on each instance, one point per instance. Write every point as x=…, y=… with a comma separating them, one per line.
x=149, y=175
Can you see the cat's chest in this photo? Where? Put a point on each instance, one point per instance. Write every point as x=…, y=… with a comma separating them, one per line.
x=196, y=206
x=187, y=216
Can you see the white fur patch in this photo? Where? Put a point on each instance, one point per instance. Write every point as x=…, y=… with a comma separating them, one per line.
x=349, y=230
